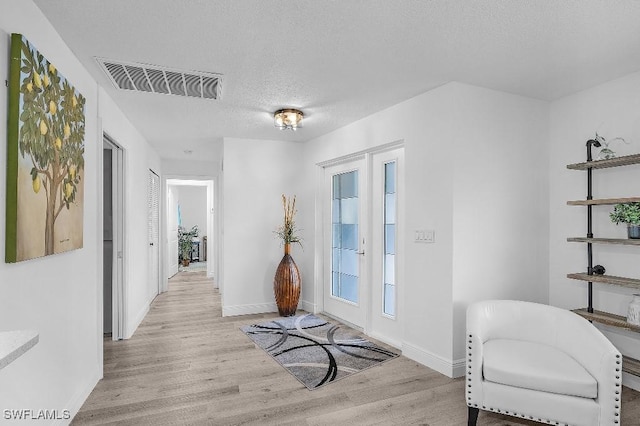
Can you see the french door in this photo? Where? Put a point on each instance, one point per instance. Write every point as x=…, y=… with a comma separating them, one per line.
x=344, y=293
x=363, y=227
x=387, y=182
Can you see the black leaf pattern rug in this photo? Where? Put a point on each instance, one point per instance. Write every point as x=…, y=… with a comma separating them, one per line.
x=315, y=351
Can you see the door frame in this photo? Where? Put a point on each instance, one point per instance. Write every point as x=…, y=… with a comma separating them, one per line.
x=119, y=287
x=321, y=207
x=213, y=227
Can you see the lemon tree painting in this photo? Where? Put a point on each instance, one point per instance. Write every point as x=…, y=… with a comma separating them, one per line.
x=45, y=157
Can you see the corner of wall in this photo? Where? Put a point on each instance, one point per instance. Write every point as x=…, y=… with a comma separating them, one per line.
x=448, y=367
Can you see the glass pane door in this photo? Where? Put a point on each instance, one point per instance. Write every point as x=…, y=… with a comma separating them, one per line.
x=344, y=248
x=387, y=201
x=389, y=295
x=344, y=295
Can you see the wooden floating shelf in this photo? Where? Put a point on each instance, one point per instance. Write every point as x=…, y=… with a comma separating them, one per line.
x=630, y=365
x=607, y=319
x=627, y=160
x=619, y=241
x=607, y=279
x=604, y=201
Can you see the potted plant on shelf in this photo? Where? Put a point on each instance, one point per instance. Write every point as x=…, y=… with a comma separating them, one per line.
x=286, y=283
x=630, y=214
x=185, y=243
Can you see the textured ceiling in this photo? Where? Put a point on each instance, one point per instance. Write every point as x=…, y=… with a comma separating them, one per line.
x=339, y=61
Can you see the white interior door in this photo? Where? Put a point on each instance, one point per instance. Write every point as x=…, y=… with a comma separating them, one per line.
x=153, y=204
x=387, y=184
x=172, y=231
x=344, y=235
x=117, y=244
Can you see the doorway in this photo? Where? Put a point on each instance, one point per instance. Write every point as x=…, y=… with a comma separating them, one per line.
x=113, y=240
x=363, y=229
x=190, y=202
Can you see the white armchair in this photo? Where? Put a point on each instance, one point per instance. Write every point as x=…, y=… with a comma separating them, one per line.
x=540, y=363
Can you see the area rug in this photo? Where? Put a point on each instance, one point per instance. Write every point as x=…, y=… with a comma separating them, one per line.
x=314, y=351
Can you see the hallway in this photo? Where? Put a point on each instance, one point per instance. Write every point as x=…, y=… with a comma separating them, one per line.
x=188, y=365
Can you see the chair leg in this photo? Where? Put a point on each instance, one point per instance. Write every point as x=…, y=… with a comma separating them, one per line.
x=473, y=416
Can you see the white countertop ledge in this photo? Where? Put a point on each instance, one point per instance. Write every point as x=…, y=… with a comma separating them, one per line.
x=14, y=344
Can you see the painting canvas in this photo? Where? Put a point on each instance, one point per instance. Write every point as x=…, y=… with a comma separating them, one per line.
x=45, y=157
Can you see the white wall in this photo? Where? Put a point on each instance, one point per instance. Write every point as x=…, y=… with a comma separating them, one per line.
x=500, y=200
x=139, y=159
x=456, y=137
x=193, y=207
x=191, y=169
x=613, y=110
x=59, y=295
x=423, y=123
x=256, y=174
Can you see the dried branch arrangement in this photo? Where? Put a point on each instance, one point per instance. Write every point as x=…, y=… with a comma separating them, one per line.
x=287, y=232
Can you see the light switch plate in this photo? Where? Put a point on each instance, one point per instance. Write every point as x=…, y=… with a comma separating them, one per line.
x=425, y=236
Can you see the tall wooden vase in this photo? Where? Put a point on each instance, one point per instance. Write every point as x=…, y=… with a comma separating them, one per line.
x=286, y=284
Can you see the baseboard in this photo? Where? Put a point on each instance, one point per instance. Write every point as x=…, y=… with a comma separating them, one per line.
x=133, y=326
x=307, y=306
x=259, y=308
x=442, y=365
x=78, y=399
x=392, y=342
x=631, y=381
x=459, y=367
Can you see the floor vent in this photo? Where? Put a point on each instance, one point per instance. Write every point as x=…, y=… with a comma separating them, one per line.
x=155, y=79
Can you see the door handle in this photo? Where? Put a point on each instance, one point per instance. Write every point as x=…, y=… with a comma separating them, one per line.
x=361, y=253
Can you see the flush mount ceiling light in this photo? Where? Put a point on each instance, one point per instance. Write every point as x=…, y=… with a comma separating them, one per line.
x=288, y=119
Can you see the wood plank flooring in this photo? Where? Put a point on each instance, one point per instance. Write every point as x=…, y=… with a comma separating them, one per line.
x=186, y=365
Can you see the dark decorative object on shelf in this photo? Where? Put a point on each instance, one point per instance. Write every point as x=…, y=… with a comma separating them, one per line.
x=599, y=270
x=286, y=283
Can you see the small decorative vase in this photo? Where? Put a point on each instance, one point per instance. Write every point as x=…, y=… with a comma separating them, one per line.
x=633, y=231
x=606, y=153
x=286, y=284
x=633, y=314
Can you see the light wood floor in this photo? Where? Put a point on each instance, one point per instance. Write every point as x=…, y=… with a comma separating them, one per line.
x=188, y=365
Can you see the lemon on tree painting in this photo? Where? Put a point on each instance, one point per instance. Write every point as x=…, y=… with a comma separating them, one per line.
x=45, y=157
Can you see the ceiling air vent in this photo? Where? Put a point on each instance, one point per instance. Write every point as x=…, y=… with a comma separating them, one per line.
x=155, y=79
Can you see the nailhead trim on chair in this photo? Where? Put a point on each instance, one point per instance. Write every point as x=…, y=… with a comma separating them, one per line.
x=469, y=372
x=618, y=380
